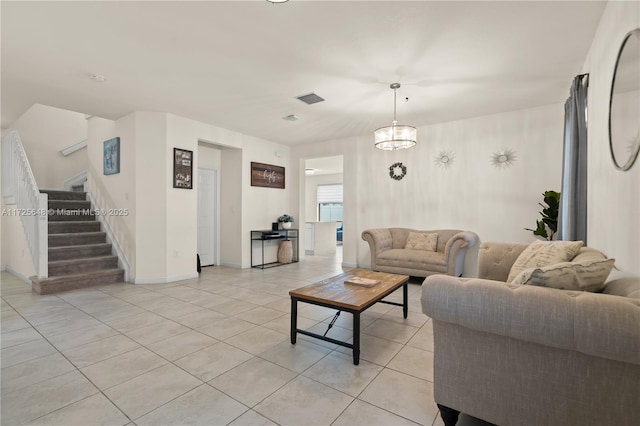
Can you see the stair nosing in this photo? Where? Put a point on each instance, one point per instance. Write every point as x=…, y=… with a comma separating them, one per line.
x=79, y=245
x=91, y=233
x=58, y=191
x=95, y=258
x=71, y=222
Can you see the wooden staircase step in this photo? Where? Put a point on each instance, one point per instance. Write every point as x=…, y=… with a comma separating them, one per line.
x=71, y=216
x=76, y=281
x=76, y=266
x=77, y=238
x=79, y=255
x=64, y=227
x=64, y=195
x=78, y=252
x=69, y=205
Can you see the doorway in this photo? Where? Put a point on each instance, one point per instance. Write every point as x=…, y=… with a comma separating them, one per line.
x=208, y=216
x=324, y=206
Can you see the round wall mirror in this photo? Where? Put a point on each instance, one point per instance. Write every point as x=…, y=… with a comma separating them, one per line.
x=624, y=108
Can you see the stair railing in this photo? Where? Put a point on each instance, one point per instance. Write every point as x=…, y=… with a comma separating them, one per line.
x=19, y=187
x=119, y=234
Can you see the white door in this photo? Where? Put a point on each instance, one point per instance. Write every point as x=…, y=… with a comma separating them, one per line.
x=207, y=220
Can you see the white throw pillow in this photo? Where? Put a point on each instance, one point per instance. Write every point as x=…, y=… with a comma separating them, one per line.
x=544, y=253
x=422, y=241
x=584, y=276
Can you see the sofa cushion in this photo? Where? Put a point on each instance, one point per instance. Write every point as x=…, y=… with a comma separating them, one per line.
x=589, y=275
x=544, y=253
x=622, y=283
x=413, y=259
x=422, y=241
x=588, y=253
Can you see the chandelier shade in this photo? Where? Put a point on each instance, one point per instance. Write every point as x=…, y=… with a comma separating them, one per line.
x=396, y=136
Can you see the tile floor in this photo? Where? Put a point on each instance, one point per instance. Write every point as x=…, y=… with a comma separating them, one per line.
x=210, y=351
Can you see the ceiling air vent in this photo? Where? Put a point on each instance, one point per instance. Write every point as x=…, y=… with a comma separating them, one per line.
x=311, y=98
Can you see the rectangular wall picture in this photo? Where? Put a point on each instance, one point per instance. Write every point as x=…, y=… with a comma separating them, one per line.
x=182, y=168
x=111, y=156
x=267, y=175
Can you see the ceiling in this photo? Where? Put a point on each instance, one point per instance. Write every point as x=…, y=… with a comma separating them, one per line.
x=240, y=64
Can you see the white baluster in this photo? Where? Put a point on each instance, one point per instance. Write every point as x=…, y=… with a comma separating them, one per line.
x=19, y=183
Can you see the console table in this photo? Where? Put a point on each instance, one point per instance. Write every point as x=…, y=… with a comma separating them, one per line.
x=267, y=236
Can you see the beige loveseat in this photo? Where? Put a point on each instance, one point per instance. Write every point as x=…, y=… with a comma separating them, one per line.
x=528, y=355
x=388, y=253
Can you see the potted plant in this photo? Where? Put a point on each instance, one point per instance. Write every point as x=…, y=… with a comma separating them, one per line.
x=286, y=220
x=548, y=226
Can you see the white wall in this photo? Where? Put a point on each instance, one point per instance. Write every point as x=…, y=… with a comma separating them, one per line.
x=160, y=234
x=181, y=204
x=231, y=208
x=117, y=191
x=44, y=132
x=613, y=205
x=257, y=207
x=471, y=194
x=311, y=192
x=209, y=156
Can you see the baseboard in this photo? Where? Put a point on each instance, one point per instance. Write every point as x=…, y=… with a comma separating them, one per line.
x=232, y=265
x=16, y=274
x=350, y=265
x=165, y=280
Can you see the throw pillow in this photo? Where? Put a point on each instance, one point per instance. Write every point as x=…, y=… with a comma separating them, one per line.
x=544, y=253
x=422, y=241
x=584, y=276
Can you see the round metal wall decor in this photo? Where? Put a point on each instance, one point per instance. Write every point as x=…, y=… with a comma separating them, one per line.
x=445, y=158
x=503, y=159
x=397, y=171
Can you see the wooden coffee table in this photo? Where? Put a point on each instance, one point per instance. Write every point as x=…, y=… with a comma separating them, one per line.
x=334, y=293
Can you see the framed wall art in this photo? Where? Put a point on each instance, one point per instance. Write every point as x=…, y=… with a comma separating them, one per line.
x=111, y=156
x=182, y=168
x=267, y=175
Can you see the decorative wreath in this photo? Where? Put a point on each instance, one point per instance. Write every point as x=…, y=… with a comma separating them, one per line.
x=394, y=167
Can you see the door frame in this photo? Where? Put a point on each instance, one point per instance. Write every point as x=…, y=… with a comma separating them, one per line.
x=216, y=212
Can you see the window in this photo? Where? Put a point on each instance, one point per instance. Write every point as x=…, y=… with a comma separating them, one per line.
x=330, y=211
x=330, y=202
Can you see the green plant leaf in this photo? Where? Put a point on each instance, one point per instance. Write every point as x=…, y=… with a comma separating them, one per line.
x=549, y=215
x=541, y=230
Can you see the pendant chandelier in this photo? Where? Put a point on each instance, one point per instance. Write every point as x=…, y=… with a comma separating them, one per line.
x=396, y=136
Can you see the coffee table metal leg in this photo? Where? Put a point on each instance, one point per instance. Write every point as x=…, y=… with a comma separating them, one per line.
x=294, y=320
x=405, y=300
x=356, y=338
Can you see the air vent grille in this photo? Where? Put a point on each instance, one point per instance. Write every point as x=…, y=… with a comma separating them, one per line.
x=310, y=98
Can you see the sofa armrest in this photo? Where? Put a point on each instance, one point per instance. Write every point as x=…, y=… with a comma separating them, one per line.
x=595, y=324
x=455, y=249
x=379, y=240
x=496, y=259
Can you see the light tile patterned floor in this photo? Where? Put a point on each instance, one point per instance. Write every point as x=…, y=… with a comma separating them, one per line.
x=209, y=351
